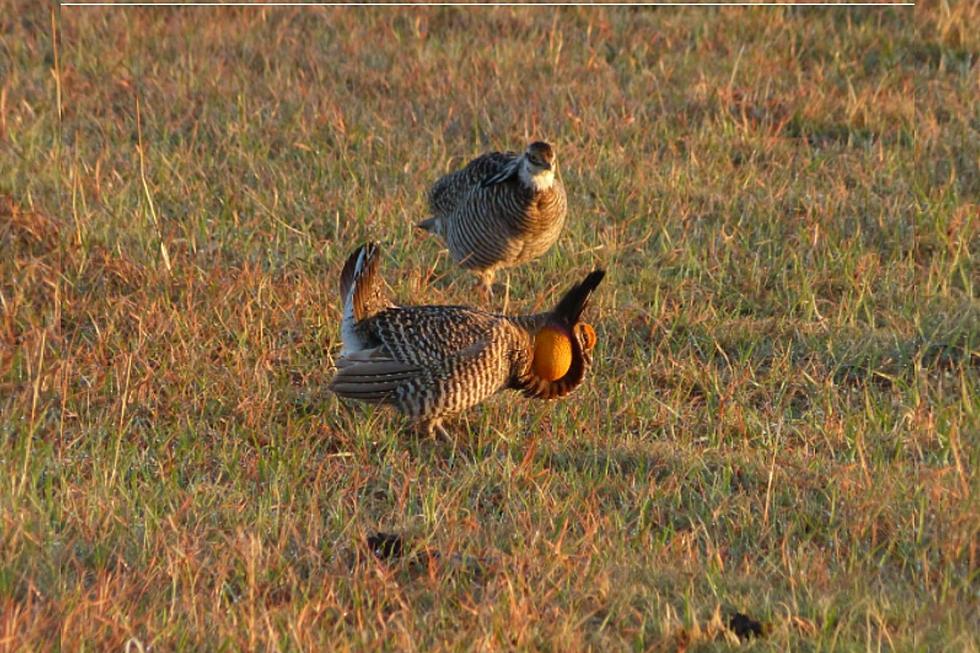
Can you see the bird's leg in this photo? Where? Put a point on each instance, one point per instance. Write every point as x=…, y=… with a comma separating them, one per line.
x=486, y=281
x=441, y=430
x=433, y=427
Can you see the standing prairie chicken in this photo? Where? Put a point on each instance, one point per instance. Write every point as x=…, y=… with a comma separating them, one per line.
x=501, y=210
x=430, y=362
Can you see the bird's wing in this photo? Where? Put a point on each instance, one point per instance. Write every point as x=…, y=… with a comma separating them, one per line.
x=505, y=169
x=374, y=376
x=482, y=171
x=371, y=375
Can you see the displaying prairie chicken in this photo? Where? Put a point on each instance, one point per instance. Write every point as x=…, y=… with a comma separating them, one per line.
x=501, y=210
x=430, y=362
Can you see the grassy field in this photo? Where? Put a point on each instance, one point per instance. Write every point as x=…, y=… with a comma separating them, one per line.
x=782, y=422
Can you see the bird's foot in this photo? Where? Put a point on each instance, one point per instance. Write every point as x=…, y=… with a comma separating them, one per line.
x=485, y=290
x=433, y=427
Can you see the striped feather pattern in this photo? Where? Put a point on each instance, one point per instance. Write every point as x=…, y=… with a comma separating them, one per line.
x=430, y=362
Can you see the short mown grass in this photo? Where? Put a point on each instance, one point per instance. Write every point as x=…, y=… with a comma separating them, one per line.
x=783, y=419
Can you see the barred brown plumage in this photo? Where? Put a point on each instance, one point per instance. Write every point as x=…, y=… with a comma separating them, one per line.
x=430, y=362
x=501, y=210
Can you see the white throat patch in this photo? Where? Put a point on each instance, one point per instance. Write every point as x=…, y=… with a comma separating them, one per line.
x=543, y=180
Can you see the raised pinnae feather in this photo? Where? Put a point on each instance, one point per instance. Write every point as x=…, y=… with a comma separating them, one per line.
x=569, y=308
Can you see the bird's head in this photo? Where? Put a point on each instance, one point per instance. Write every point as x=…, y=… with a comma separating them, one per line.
x=539, y=165
x=540, y=155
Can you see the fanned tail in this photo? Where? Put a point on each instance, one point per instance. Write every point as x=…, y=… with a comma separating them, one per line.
x=362, y=291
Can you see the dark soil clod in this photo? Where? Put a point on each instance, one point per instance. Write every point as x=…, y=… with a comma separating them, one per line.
x=745, y=626
x=386, y=546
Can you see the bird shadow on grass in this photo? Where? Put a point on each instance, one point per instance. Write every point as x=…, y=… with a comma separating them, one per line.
x=473, y=438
